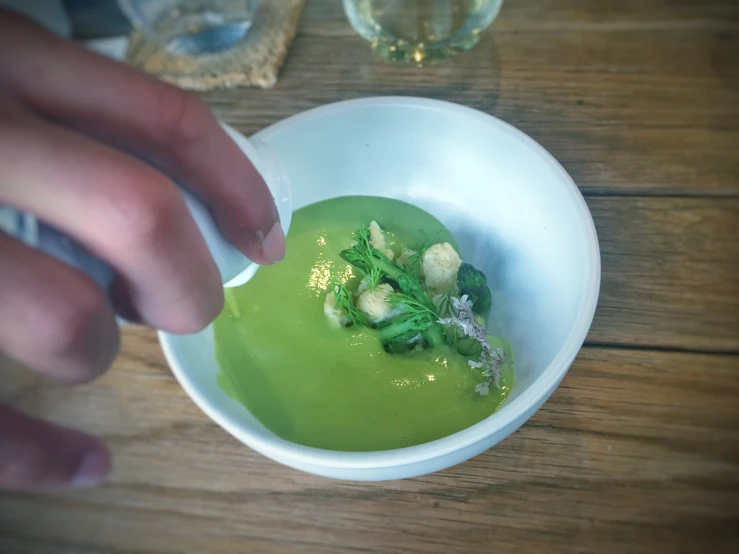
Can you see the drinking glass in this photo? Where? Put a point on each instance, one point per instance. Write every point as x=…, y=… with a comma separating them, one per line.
x=192, y=27
x=421, y=31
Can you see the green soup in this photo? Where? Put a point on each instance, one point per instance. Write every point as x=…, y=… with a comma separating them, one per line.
x=337, y=388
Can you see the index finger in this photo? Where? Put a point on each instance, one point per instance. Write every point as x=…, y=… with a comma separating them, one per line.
x=163, y=124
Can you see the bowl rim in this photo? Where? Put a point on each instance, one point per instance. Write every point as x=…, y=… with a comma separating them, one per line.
x=509, y=414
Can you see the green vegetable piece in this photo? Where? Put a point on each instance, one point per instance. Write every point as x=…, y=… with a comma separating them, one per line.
x=468, y=276
x=396, y=333
x=468, y=346
x=411, y=288
x=353, y=257
x=403, y=325
x=434, y=335
x=473, y=283
x=373, y=264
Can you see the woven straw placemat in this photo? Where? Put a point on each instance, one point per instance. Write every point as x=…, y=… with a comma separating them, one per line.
x=255, y=61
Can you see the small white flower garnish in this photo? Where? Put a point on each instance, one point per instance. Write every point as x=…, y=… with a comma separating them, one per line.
x=463, y=304
x=490, y=360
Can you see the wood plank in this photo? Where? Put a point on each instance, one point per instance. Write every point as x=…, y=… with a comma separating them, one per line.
x=636, y=451
x=625, y=111
x=670, y=272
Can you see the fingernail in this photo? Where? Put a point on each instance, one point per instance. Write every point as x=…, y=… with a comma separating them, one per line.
x=273, y=245
x=91, y=470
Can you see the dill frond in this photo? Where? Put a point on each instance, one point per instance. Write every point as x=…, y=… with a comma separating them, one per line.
x=345, y=302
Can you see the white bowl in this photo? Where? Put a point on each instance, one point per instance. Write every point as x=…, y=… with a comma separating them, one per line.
x=515, y=213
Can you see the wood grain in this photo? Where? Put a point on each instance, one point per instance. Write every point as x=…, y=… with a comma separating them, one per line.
x=636, y=109
x=636, y=451
x=670, y=273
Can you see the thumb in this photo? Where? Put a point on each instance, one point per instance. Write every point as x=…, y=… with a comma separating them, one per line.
x=36, y=454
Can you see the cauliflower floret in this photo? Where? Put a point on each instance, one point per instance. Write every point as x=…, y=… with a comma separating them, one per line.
x=377, y=238
x=405, y=255
x=335, y=316
x=361, y=287
x=439, y=266
x=374, y=303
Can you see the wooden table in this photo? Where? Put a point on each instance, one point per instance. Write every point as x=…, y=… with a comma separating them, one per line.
x=636, y=451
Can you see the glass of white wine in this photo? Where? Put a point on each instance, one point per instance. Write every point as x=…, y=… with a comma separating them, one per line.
x=421, y=31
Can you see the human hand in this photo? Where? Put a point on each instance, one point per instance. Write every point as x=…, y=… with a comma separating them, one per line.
x=85, y=143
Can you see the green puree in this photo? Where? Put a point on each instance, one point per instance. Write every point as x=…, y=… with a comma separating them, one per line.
x=337, y=388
